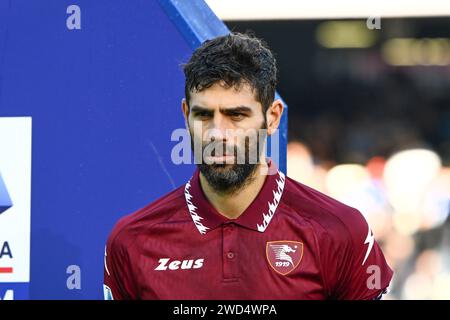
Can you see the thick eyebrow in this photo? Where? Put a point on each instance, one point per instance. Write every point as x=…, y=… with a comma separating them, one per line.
x=198, y=109
x=235, y=110
x=226, y=111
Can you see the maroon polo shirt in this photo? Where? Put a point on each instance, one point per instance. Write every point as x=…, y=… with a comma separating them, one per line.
x=292, y=242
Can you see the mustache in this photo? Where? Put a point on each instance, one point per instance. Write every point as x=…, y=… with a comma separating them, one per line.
x=243, y=152
x=219, y=149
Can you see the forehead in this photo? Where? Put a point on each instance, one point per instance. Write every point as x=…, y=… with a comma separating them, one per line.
x=219, y=96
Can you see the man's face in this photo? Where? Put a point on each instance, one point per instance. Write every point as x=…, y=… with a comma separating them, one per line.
x=227, y=123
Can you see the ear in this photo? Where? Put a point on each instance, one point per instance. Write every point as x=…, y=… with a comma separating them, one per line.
x=273, y=116
x=185, y=110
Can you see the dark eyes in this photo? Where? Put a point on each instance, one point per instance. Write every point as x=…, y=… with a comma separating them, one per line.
x=237, y=116
x=203, y=115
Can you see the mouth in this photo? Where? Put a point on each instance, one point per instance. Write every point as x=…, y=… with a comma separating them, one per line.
x=224, y=159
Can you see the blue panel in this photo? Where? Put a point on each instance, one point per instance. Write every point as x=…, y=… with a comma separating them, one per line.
x=283, y=131
x=104, y=102
x=195, y=20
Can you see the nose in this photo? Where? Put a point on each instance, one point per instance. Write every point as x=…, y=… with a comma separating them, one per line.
x=218, y=129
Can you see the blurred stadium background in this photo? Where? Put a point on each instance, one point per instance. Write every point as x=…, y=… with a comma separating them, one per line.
x=369, y=118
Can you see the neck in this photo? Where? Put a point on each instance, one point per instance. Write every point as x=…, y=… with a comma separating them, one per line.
x=232, y=206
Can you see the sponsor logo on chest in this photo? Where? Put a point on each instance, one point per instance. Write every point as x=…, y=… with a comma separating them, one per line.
x=168, y=264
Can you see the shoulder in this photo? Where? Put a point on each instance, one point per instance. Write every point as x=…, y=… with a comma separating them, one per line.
x=129, y=227
x=335, y=219
x=345, y=243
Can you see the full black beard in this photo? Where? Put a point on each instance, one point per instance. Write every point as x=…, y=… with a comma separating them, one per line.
x=228, y=179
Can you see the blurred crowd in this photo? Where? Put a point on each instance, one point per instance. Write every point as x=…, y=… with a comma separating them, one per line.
x=388, y=157
x=405, y=199
x=376, y=136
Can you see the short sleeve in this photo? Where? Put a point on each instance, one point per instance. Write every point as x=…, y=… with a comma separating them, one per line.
x=118, y=278
x=360, y=270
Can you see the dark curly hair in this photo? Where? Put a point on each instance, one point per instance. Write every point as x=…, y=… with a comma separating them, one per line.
x=235, y=59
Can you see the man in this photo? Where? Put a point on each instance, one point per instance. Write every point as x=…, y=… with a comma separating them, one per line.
x=241, y=229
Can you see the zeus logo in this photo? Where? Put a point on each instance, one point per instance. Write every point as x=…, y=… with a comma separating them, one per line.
x=175, y=264
x=5, y=200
